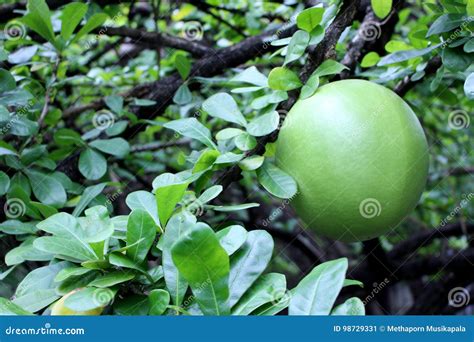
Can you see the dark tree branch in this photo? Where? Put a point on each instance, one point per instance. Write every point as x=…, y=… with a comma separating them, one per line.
x=406, y=84
x=206, y=8
x=157, y=39
x=162, y=91
x=155, y=146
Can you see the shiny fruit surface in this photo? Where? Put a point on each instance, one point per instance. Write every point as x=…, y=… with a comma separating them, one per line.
x=359, y=156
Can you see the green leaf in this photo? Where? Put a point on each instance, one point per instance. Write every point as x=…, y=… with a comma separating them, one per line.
x=205, y=160
x=264, y=124
x=7, y=81
x=67, y=137
x=230, y=208
x=118, y=147
x=245, y=142
x=456, y=59
x=266, y=289
x=329, y=67
x=445, y=23
x=210, y=194
x=232, y=238
x=65, y=248
x=249, y=262
x=297, y=46
x=112, y=278
x=469, y=46
x=143, y=200
x=469, y=86
x=317, y=292
x=89, y=298
x=370, y=59
x=115, y=103
x=168, y=195
x=26, y=251
x=159, y=301
x=276, y=181
x=183, y=65
x=14, y=227
x=281, y=78
x=87, y=196
x=95, y=21
x=205, y=266
x=141, y=232
x=97, y=225
x=251, y=163
x=38, y=19
x=251, y=75
x=176, y=227
x=71, y=16
x=316, y=35
x=8, y=308
x=183, y=95
x=120, y=260
x=37, y=289
x=68, y=272
x=351, y=307
x=352, y=282
x=4, y=183
x=310, y=87
x=47, y=188
x=193, y=129
x=92, y=164
x=228, y=133
x=265, y=100
x=401, y=56
x=82, y=230
x=381, y=8
x=223, y=106
x=228, y=158
x=310, y=18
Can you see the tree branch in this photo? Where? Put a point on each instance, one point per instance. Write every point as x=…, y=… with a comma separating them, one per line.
x=157, y=39
x=406, y=84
